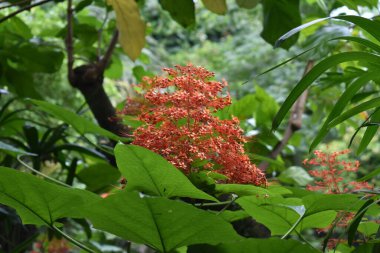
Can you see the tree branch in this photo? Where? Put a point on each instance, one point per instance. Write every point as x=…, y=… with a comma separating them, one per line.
x=23, y=9
x=13, y=4
x=69, y=41
x=102, y=64
x=294, y=124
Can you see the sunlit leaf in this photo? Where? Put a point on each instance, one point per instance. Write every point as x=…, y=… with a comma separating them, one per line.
x=216, y=6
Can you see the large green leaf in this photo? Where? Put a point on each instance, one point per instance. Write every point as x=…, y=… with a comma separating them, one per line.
x=279, y=17
x=318, y=70
x=342, y=102
x=130, y=26
x=322, y=202
x=80, y=124
x=159, y=222
x=271, y=245
x=216, y=6
x=37, y=201
x=150, y=173
x=99, y=176
x=279, y=214
x=248, y=4
x=181, y=11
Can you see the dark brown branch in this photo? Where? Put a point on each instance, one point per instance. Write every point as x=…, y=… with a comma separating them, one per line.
x=14, y=4
x=24, y=9
x=294, y=124
x=69, y=41
x=107, y=56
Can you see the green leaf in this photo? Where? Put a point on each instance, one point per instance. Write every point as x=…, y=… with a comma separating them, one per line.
x=98, y=176
x=161, y=223
x=183, y=12
x=9, y=148
x=241, y=189
x=362, y=41
x=356, y=221
x=150, y=173
x=80, y=124
x=373, y=103
x=342, y=102
x=322, y=202
x=130, y=25
x=279, y=17
x=216, y=6
x=37, y=201
x=295, y=175
x=369, y=132
x=368, y=228
x=275, y=245
x=370, y=175
x=310, y=77
x=248, y=4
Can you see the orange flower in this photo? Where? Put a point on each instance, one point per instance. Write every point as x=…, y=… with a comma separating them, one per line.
x=180, y=126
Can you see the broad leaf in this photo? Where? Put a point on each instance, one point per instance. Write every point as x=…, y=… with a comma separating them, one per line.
x=322, y=202
x=275, y=245
x=351, y=232
x=150, y=173
x=80, y=124
x=37, y=201
x=216, y=6
x=130, y=25
x=295, y=175
x=160, y=223
x=279, y=17
x=99, y=176
x=248, y=4
x=241, y=189
x=181, y=11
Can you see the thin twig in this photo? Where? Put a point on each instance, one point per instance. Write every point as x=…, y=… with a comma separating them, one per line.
x=295, y=122
x=69, y=41
x=24, y=9
x=107, y=56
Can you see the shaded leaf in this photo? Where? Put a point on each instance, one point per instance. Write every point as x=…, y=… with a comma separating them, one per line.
x=279, y=17
x=150, y=173
x=248, y=4
x=98, y=176
x=160, y=223
x=181, y=11
x=37, y=201
x=80, y=124
x=216, y=6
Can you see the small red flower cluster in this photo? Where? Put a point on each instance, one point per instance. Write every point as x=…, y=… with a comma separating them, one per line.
x=330, y=175
x=180, y=126
x=331, y=181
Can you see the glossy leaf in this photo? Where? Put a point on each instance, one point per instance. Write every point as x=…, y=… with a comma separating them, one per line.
x=37, y=201
x=216, y=6
x=317, y=71
x=80, y=124
x=11, y=149
x=150, y=173
x=130, y=25
x=161, y=223
x=183, y=12
x=276, y=245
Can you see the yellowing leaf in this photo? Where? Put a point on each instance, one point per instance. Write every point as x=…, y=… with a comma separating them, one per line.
x=216, y=6
x=130, y=25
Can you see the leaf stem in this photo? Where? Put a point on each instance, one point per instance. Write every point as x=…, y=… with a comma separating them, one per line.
x=72, y=240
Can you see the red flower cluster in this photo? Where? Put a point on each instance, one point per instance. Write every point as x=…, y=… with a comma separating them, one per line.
x=330, y=175
x=179, y=125
x=331, y=181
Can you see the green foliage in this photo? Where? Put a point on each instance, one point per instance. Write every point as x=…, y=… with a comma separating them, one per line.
x=160, y=178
